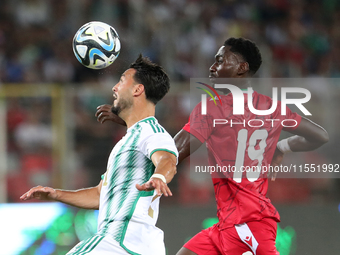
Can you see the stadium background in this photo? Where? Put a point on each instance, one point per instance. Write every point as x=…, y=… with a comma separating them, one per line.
x=49, y=135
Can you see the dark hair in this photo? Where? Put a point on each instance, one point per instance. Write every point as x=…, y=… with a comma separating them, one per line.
x=248, y=50
x=155, y=80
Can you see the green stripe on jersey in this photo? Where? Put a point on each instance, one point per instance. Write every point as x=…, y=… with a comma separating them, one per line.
x=92, y=245
x=87, y=245
x=152, y=126
x=159, y=130
x=147, y=120
x=141, y=194
x=113, y=179
x=131, y=167
x=162, y=150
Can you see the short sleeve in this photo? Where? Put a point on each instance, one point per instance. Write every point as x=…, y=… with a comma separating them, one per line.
x=159, y=142
x=291, y=121
x=186, y=127
x=199, y=125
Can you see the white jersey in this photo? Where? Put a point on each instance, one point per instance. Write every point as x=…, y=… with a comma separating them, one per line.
x=126, y=214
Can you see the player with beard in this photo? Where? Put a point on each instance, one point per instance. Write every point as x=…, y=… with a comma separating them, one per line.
x=128, y=209
x=247, y=219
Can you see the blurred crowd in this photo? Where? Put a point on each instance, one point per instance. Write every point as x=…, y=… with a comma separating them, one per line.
x=298, y=38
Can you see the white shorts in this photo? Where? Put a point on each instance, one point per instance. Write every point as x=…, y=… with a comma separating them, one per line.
x=105, y=245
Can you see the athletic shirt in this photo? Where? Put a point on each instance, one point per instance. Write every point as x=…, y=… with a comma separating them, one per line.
x=250, y=143
x=125, y=213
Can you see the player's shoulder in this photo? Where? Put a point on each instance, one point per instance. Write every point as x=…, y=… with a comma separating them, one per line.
x=262, y=101
x=261, y=96
x=150, y=125
x=220, y=100
x=219, y=106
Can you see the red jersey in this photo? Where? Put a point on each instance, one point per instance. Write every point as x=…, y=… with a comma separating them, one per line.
x=241, y=142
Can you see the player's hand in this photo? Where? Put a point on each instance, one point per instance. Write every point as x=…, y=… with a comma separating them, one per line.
x=276, y=161
x=41, y=193
x=155, y=184
x=104, y=113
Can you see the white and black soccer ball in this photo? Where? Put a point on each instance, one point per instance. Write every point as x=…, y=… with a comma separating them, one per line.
x=96, y=45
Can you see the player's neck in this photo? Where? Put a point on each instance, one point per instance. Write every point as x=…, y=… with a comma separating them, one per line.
x=139, y=111
x=243, y=83
x=245, y=87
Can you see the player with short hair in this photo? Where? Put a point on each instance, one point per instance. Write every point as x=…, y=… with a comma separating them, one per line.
x=146, y=154
x=247, y=218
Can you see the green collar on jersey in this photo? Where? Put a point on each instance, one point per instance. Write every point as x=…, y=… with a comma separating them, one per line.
x=151, y=118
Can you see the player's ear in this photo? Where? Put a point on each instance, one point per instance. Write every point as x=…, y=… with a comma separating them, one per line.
x=243, y=68
x=138, y=89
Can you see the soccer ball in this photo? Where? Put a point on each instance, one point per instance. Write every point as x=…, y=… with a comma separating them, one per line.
x=96, y=45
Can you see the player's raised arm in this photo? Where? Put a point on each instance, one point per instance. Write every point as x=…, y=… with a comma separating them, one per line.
x=165, y=163
x=104, y=113
x=83, y=198
x=308, y=136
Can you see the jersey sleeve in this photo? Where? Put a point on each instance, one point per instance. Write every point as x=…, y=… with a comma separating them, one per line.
x=292, y=120
x=159, y=142
x=186, y=127
x=199, y=125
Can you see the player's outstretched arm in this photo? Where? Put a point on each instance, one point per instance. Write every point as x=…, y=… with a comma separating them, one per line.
x=308, y=136
x=165, y=163
x=104, y=113
x=82, y=198
x=186, y=144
